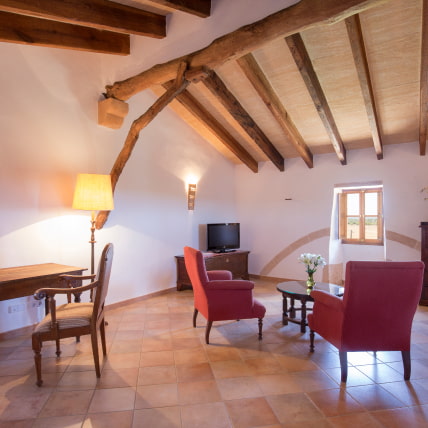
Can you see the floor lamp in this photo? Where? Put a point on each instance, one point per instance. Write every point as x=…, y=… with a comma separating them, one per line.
x=93, y=192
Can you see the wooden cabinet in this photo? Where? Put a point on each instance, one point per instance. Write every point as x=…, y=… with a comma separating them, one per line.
x=236, y=262
x=424, y=258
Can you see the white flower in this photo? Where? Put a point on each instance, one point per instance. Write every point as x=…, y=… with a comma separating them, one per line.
x=312, y=261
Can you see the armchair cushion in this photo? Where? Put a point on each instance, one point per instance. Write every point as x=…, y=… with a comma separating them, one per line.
x=214, y=275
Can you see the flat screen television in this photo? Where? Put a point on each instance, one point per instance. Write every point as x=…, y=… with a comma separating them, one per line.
x=223, y=237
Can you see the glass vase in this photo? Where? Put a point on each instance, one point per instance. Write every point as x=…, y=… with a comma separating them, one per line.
x=310, y=281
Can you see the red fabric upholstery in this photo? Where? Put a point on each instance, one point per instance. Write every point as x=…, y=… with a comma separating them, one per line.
x=377, y=309
x=217, y=296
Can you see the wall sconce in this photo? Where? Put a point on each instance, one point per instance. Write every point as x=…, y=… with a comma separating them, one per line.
x=93, y=193
x=191, y=195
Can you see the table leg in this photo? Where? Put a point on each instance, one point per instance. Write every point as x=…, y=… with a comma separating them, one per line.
x=284, y=310
x=303, y=320
x=292, y=313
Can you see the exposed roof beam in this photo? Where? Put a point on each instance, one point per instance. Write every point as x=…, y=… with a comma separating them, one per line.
x=195, y=108
x=303, y=15
x=99, y=14
x=303, y=62
x=201, y=8
x=234, y=107
x=355, y=34
x=268, y=95
x=41, y=32
x=423, y=115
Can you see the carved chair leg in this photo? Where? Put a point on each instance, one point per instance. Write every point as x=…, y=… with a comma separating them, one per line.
x=94, y=341
x=311, y=343
x=58, y=348
x=260, y=328
x=37, y=348
x=207, y=332
x=343, y=366
x=406, y=364
x=195, y=314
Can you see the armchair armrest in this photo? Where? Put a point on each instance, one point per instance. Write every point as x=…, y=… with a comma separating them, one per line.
x=233, y=284
x=67, y=277
x=41, y=293
x=327, y=299
x=214, y=275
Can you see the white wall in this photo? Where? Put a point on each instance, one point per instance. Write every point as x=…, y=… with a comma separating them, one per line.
x=270, y=223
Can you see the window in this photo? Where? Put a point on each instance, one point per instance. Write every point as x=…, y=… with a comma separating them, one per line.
x=360, y=215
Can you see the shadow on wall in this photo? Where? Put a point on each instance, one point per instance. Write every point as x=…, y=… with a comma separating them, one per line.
x=332, y=273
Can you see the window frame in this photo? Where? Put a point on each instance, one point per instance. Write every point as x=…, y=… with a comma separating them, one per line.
x=343, y=215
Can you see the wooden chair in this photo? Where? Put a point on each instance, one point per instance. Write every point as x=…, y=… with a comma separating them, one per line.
x=74, y=319
x=376, y=312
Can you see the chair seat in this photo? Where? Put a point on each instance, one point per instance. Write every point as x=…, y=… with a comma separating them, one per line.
x=69, y=315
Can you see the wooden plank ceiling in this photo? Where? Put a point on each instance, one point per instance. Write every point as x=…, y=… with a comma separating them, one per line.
x=359, y=82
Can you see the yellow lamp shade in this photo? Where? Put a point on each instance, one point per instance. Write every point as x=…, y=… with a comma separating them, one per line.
x=93, y=192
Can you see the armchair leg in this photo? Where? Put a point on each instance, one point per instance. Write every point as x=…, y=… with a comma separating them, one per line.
x=406, y=364
x=311, y=343
x=260, y=328
x=94, y=340
x=103, y=337
x=195, y=314
x=37, y=348
x=58, y=348
x=343, y=356
x=207, y=332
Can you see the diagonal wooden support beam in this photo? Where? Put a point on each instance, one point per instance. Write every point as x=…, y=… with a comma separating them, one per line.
x=196, y=109
x=98, y=14
x=353, y=25
x=423, y=114
x=201, y=8
x=303, y=62
x=234, y=107
x=302, y=16
x=268, y=95
x=179, y=86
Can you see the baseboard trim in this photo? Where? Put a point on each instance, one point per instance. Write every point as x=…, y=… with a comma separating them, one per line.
x=270, y=278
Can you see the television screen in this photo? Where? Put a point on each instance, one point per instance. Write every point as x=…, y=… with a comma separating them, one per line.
x=222, y=237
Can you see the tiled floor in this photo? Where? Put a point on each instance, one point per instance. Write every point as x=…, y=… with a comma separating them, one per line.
x=159, y=373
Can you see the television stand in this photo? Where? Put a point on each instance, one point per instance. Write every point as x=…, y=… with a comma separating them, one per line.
x=223, y=251
x=235, y=262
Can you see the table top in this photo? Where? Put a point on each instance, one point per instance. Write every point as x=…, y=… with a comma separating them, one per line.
x=299, y=288
x=11, y=274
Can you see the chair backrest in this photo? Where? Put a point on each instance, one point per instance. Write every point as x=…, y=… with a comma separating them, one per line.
x=103, y=278
x=380, y=301
x=195, y=266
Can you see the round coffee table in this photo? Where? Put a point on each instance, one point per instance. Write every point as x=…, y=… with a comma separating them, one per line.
x=297, y=290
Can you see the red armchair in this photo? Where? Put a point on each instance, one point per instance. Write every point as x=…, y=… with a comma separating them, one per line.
x=376, y=312
x=217, y=296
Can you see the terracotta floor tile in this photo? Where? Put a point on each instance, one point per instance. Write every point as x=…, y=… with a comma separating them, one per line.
x=23, y=423
x=381, y=373
x=149, y=396
x=209, y=415
x=313, y=380
x=239, y=387
x=198, y=392
x=65, y=403
x=160, y=417
x=77, y=380
x=365, y=420
x=156, y=358
x=194, y=372
x=415, y=417
x=114, y=399
x=251, y=412
x=74, y=421
x=294, y=363
x=411, y=393
x=122, y=361
x=222, y=353
x=230, y=368
x=374, y=397
x=118, y=378
x=335, y=402
x=278, y=384
x=190, y=356
x=109, y=420
x=156, y=374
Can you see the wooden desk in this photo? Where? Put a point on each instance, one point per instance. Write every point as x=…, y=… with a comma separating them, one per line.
x=25, y=280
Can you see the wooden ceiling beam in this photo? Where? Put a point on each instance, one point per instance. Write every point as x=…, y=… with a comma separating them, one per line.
x=301, y=16
x=423, y=114
x=201, y=8
x=237, y=111
x=355, y=34
x=41, y=32
x=98, y=14
x=197, y=110
x=261, y=84
x=304, y=64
